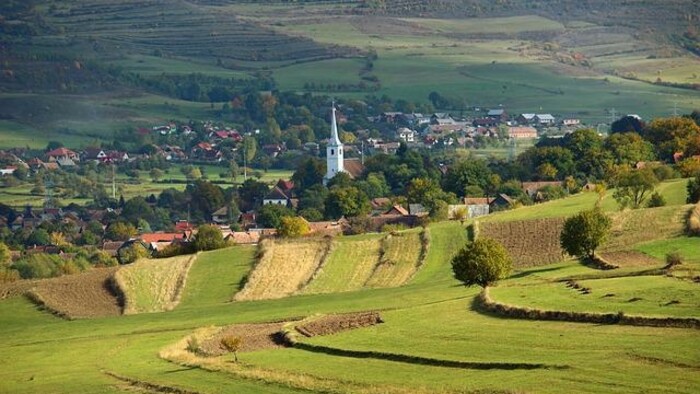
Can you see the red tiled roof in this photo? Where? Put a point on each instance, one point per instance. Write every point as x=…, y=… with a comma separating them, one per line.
x=161, y=237
x=61, y=152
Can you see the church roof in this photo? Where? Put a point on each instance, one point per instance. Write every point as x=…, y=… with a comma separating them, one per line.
x=353, y=167
x=334, y=140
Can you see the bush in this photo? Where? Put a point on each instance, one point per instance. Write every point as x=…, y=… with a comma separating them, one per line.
x=656, y=200
x=129, y=254
x=193, y=345
x=693, y=190
x=293, y=227
x=693, y=223
x=8, y=275
x=232, y=344
x=673, y=259
x=482, y=262
x=390, y=228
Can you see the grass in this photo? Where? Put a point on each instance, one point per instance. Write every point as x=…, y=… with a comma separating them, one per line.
x=654, y=296
x=399, y=260
x=153, y=285
x=349, y=266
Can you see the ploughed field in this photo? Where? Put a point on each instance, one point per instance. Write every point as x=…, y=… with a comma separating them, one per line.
x=558, y=327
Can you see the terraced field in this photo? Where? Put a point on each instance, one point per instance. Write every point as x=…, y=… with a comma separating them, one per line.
x=401, y=255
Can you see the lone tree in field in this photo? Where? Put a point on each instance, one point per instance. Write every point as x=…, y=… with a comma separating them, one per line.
x=583, y=233
x=482, y=262
x=232, y=344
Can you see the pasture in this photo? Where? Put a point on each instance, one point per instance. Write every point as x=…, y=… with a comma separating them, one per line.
x=432, y=339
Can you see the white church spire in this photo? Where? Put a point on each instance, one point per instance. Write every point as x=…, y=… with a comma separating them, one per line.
x=334, y=151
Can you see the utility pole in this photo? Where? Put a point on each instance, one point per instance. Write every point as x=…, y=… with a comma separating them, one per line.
x=612, y=115
x=362, y=152
x=675, y=109
x=114, y=184
x=245, y=167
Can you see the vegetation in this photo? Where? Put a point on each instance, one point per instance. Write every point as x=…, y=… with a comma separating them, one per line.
x=481, y=262
x=232, y=344
x=583, y=233
x=208, y=237
x=292, y=227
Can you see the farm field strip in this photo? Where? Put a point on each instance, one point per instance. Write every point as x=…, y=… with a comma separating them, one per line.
x=284, y=268
x=529, y=242
x=153, y=285
x=349, y=266
x=400, y=257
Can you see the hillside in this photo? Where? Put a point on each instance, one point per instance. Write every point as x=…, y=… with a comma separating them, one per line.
x=81, y=70
x=430, y=335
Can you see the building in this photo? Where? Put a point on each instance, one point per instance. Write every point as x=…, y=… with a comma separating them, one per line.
x=334, y=151
x=522, y=132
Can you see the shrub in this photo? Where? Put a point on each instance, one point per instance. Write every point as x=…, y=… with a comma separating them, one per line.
x=673, y=259
x=232, y=344
x=693, y=190
x=131, y=253
x=656, y=200
x=390, y=228
x=293, y=227
x=693, y=223
x=193, y=345
x=481, y=262
x=8, y=275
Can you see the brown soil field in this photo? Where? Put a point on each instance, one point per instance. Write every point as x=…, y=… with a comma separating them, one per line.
x=529, y=242
x=254, y=337
x=630, y=258
x=332, y=324
x=284, y=268
x=84, y=295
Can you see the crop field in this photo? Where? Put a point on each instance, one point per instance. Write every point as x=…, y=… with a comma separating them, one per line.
x=400, y=258
x=632, y=227
x=349, y=266
x=153, y=285
x=284, y=268
x=84, y=295
x=529, y=242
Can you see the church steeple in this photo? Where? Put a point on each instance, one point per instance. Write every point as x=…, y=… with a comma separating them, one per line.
x=334, y=140
x=334, y=150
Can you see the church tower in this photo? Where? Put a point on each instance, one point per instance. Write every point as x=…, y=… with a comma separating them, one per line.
x=334, y=151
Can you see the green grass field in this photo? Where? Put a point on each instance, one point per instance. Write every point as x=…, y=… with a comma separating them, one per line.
x=428, y=319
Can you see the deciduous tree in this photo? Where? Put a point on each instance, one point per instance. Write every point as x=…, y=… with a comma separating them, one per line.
x=584, y=232
x=482, y=262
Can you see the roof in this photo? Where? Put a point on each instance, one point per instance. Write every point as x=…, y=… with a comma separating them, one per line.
x=60, y=152
x=379, y=202
x=417, y=209
x=353, y=167
x=477, y=201
x=276, y=194
x=334, y=140
x=496, y=112
x=285, y=185
x=182, y=225
x=528, y=116
x=399, y=210
x=220, y=212
x=161, y=237
x=530, y=187
x=240, y=237
x=545, y=117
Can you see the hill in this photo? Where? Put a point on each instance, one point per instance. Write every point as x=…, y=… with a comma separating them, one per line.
x=81, y=70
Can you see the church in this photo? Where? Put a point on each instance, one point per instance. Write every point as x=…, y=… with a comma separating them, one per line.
x=334, y=151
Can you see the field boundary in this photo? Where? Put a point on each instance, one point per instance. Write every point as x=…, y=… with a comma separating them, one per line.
x=152, y=387
x=483, y=302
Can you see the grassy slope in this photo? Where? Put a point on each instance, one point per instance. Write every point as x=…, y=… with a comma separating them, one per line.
x=430, y=317
x=349, y=265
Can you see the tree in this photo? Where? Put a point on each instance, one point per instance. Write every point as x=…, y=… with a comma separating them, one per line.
x=693, y=190
x=208, y=237
x=466, y=173
x=156, y=174
x=346, y=201
x=232, y=344
x=584, y=232
x=270, y=215
x=626, y=124
x=129, y=254
x=293, y=227
x=309, y=172
x=250, y=148
x=38, y=237
x=120, y=231
x=633, y=187
x=629, y=148
x=233, y=170
x=656, y=200
x=482, y=262
x=671, y=135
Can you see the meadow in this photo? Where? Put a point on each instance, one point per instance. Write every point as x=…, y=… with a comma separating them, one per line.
x=432, y=338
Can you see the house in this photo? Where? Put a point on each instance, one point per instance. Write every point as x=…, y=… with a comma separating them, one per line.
x=9, y=170
x=277, y=196
x=183, y=225
x=570, y=122
x=286, y=186
x=94, y=154
x=223, y=216
x=390, y=117
x=247, y=220
x=206, y=151
x=405, y=134
x=397, y=210
x=327, y=227
x=525, y=119
x=499, y=114
x=485, y=122
x=500, y=201
x=477, y=206
x=521, y=132
x=353, y=167
x=62, y=153
x=273, y=150
x=531, y=188
x=544, y=119
x=111, y=247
